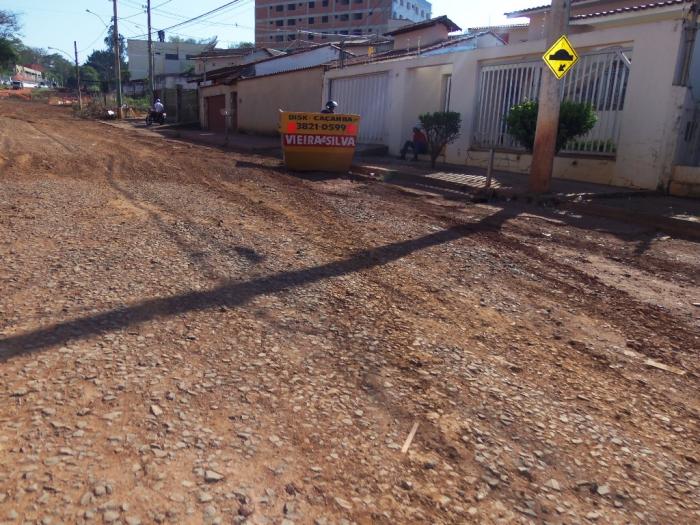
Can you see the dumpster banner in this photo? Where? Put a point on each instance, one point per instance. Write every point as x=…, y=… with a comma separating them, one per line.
x=318, y=141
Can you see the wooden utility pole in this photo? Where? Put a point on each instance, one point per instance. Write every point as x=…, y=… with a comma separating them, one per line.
x=117, y=62
x=77, y=75
x=549, y=101
x=150, y=54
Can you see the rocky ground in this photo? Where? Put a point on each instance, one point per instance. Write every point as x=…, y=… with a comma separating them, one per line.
x=193, y=336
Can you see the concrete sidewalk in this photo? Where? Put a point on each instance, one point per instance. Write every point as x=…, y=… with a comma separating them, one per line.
x=464, y=178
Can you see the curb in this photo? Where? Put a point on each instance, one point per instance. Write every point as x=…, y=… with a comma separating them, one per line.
x=575, y=202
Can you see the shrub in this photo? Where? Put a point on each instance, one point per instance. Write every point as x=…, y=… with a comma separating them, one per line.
x=575, y=119
x=441, y=128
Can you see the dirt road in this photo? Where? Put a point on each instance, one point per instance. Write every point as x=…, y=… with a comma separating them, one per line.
x=193, y=336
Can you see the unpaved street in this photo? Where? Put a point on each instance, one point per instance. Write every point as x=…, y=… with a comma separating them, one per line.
x=194, y=336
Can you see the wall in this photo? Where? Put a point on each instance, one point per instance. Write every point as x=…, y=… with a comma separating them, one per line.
x=211, y=91
x=694, y=77
x=270, y=13
x=650, y=122
x=261, y=98
x=137, y=51
x=403, y=11
x=424, y=93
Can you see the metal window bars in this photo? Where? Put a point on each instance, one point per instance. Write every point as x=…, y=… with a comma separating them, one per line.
x=600, y=78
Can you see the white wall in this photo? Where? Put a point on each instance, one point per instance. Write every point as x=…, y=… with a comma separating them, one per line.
x=137, y=52
x=650, y=121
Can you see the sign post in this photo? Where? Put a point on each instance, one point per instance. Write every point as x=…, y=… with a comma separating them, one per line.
x=550, y=97
x=318, y=141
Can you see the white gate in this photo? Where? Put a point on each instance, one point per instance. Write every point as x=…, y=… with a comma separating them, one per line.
x=365, y=96
x=599, y=79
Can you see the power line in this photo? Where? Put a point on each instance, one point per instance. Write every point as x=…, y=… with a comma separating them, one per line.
x=194, y=19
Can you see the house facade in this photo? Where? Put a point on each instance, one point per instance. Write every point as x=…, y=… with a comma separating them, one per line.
x=636, y=69
x=319, y=21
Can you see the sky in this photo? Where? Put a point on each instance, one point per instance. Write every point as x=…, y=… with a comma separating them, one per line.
x=54, y=23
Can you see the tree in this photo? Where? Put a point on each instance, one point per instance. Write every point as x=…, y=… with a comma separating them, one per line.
x=9, y=24
x=90, y=77
x=575, y=119
x=9, y=27
x=441, y=128
x=175, y=39
x=8, y=54
x=242, y=45
x=109, y=42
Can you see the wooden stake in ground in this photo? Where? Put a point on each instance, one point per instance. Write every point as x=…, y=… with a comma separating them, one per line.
x=410, y=437
x=549, y=101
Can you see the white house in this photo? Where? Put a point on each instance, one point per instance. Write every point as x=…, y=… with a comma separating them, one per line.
x=636, y=67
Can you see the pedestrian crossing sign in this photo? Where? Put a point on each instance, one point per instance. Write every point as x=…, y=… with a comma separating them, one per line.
x=560, y=57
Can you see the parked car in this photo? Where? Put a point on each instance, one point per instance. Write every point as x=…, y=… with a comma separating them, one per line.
x=17, y=84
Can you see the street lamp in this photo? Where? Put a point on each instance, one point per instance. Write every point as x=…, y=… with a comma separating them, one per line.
x=117, y=55
x=98, y=17
x=77, y=71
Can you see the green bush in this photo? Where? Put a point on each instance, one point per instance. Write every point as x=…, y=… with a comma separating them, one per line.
x=575, y=119
x=441, y=128
x=141, y=103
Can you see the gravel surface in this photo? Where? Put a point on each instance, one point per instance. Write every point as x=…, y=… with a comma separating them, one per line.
x=194, y=336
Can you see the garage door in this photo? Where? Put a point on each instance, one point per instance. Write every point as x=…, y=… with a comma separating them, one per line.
x=215, y=120
x=366, y=96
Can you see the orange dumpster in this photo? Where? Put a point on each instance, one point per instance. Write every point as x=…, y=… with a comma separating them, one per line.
x=318, y=141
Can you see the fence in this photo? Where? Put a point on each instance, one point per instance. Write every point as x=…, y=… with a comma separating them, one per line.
x=599, y=79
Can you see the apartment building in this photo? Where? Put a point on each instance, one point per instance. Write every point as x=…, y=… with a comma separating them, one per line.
x=320, y=21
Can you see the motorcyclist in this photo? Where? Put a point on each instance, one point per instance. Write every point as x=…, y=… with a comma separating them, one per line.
x=330, y=107
x=157, y=113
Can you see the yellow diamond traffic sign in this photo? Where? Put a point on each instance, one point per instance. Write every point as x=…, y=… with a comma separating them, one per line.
x=560, y=57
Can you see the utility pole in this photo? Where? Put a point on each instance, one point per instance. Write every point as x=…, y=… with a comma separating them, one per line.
x=117, y=62
x=77, y=75
x=150, y=54
x=549, y=101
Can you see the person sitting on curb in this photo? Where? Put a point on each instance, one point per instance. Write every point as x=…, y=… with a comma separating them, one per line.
x=419, y=145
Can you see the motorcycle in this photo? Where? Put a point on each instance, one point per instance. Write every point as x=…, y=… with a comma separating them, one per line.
x=154, y=116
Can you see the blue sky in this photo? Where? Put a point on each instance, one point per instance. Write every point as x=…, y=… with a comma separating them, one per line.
x=56, y=24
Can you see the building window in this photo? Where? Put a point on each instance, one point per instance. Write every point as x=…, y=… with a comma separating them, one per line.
x=324, y=3
x=290, y=22
x=324, y=19
x=344, y=2
x=357, y=31
x=289, y=37
x=279, y=8
x=278, y=23
x=290, y=7
x=343, y=32
x=312, y=20
x=169, y=56
x=358, y=1
x=312, y=5
x=357, y=16
x=446, y=92
x=342, y=17
x=278, y=38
